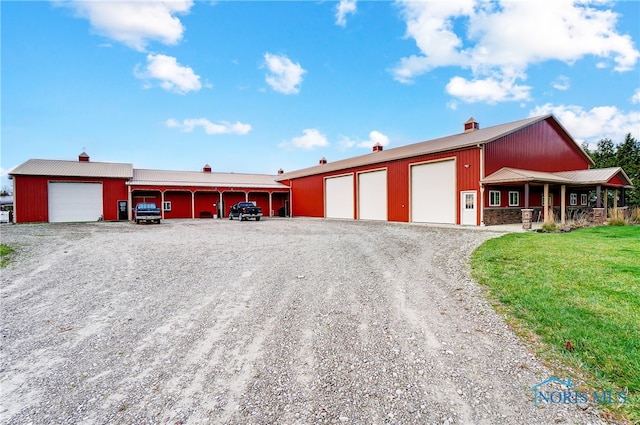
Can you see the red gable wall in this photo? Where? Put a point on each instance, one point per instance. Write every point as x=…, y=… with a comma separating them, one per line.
x=541, y=147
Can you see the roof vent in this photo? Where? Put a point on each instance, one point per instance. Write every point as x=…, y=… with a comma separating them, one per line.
x=323, y=161
x=206, y=168
x=281, y=171
x=378, y=147
x=471, y=125
x=83, y=157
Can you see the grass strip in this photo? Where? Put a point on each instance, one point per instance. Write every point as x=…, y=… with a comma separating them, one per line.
x=581, y=288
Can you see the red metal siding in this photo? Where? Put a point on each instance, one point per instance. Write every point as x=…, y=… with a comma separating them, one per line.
x=180, y=204
x=204, y=202
x=539, y=147
x=307, y=196
x=308, y=192
x=32, y=200
x=261, y=200
x=231, y=198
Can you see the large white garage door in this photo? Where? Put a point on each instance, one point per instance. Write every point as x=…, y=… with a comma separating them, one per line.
x=74, y=202
x=372, y=195
x=433, y=192
x=339, y=197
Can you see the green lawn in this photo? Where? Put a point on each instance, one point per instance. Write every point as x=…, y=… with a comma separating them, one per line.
x=4, y=253
x=581, y=287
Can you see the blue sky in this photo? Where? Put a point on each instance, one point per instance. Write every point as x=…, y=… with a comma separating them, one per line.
x=252, y=87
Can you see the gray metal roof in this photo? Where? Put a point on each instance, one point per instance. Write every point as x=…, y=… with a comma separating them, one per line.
x=449, y=143
x=53, y=167
x=142, y=177
x=579, y=177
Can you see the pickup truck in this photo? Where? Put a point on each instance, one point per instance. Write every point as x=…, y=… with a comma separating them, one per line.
x=147, y=212
x=245, y=211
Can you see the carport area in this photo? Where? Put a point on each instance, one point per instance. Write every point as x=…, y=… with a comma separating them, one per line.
x=277, y=321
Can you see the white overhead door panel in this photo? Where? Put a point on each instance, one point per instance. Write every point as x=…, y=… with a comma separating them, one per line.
x=433, y=192
x=372, y=195
x=339, y=198
x=70, y=202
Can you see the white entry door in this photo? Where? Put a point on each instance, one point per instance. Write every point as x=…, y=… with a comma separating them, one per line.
x=468, y=208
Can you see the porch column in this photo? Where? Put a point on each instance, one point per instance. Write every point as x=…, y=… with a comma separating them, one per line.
x=598, y=196
x=606, y=202
x=162, y=203
x=615, y=199
x=545, y=202
x=193, y=205
x=526, y=195
x=270, y=204
x=563, y=193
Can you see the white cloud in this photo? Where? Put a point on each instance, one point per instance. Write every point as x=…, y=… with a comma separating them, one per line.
x=561, y=83
x=344, y=8
x=488, y=90
x=189, y=124
x=4, y=172
x=595, y=124
x=310, y=139
x=135, y=23
x=636, y=97
x=284, y=75
x=173, y=76
x=374, y=137
x=505, y=38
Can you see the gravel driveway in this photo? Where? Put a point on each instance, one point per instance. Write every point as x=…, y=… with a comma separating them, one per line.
x=281, y=321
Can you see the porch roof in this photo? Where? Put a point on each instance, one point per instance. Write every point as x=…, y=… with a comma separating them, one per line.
x=593, y=177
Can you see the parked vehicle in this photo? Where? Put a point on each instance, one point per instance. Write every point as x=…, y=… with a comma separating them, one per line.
x=147, y=212
x=245, y=211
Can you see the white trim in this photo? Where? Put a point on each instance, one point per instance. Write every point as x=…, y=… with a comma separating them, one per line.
x=573, y=199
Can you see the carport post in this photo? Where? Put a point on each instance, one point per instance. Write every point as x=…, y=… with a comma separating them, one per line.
x=193, y=205
x=270, y=205
x=129, y=205
x=162, y=203
x=246, y=196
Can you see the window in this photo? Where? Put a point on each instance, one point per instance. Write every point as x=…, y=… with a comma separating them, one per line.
x=494, y=198
x=573, y=199
x=514, y=199
x=583, y=199
x=166, y=206
x=469, y=201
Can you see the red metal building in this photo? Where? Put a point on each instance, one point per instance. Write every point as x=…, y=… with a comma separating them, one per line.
x=75, y=191
x=507, y=173
x=453, y=179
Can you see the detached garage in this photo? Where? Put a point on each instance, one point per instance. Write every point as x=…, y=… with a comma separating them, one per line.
x=59, y=191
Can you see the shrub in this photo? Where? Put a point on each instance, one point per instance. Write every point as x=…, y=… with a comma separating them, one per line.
x=616, y=217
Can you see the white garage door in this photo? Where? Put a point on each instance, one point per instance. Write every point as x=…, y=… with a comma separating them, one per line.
x=74, y=202
x=433, y=192
x=372, y=195
x=339, y=197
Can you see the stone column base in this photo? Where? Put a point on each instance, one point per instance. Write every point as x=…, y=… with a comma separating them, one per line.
x=598, y=216
x=527, y=215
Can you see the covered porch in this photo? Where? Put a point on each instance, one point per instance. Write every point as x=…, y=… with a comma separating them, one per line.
x=525, y=196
